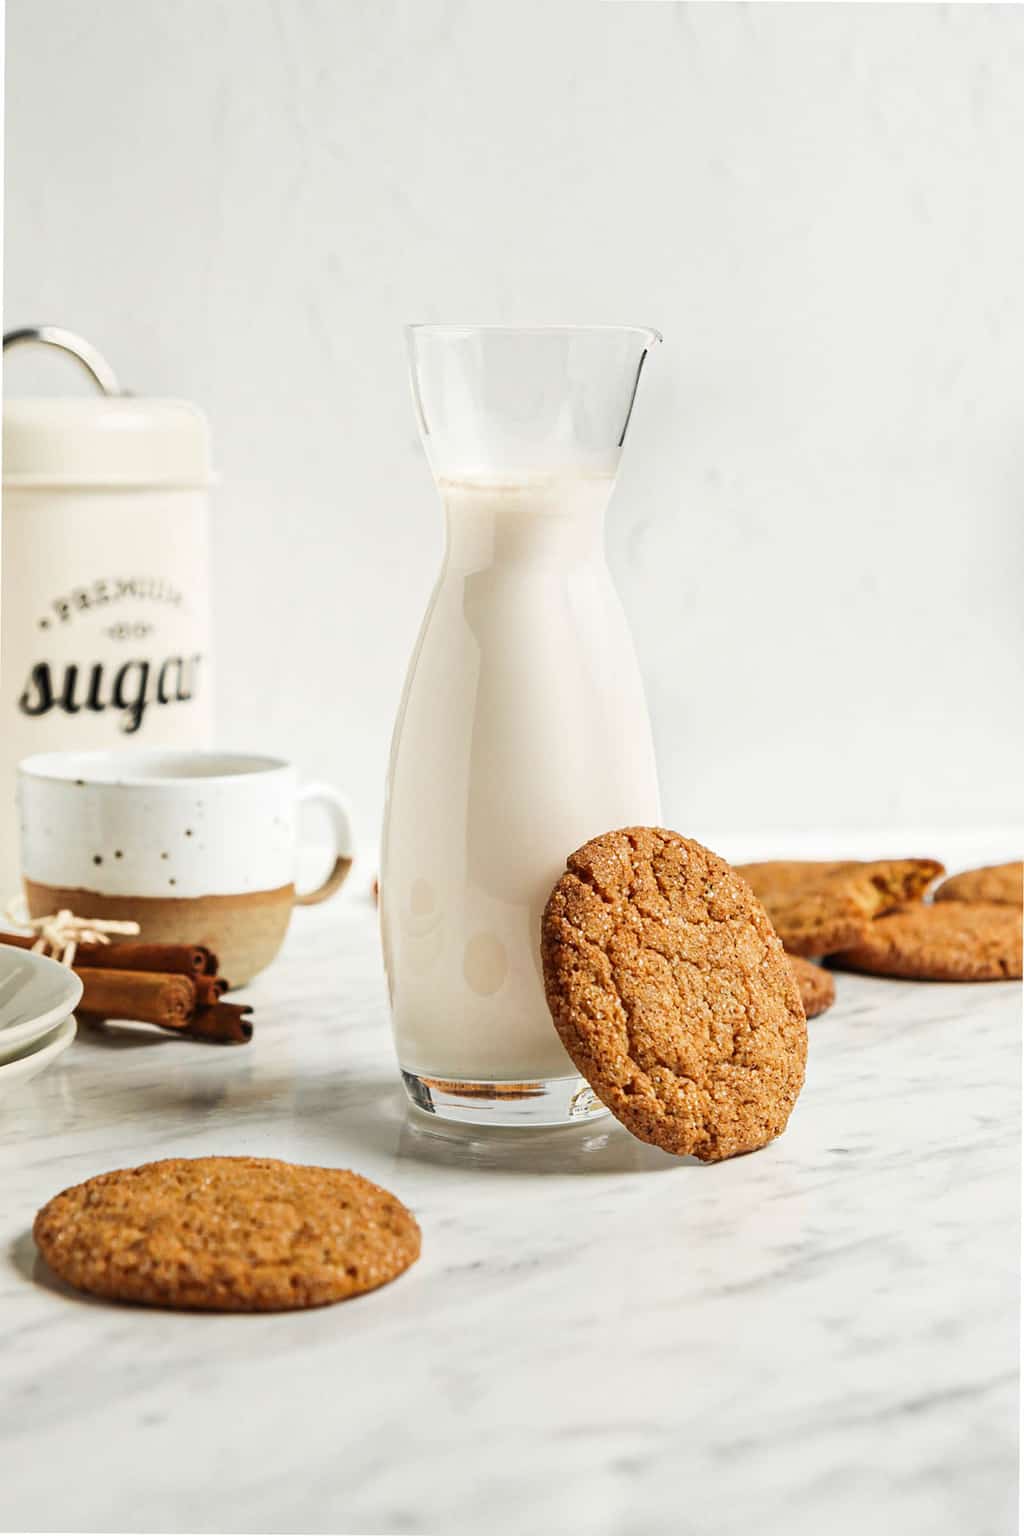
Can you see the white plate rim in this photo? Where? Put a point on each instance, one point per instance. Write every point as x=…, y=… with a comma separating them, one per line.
x=34, y=1061
x=17, y=1035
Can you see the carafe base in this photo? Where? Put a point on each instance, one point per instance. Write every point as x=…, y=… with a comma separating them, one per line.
x=531, y=1103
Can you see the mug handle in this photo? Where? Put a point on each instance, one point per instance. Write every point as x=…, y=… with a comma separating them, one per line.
x=339, y=814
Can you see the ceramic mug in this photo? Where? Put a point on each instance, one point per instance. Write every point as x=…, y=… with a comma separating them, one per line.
x=196, y=847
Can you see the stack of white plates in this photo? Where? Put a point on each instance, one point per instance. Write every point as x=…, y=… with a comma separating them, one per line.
x=37, y=999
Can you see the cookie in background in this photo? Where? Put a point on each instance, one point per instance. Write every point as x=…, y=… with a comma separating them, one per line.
x=1002, y=883
x=941, y=941
x=816, y=986
x=819, y=907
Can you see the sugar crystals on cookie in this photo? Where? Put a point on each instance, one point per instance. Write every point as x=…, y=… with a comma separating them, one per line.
x=671, y=993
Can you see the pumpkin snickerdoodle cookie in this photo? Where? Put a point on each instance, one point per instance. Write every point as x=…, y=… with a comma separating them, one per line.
x=817, y=988
x=227, y=1234
x=671, y=993
x=818, y=908
x=941, y=941
x=1003, y=883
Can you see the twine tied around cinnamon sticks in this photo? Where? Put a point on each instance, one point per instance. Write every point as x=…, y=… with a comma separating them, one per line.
x=60, y=934
x=174, y=986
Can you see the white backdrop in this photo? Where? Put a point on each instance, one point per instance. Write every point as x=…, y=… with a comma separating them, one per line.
x=817, y=533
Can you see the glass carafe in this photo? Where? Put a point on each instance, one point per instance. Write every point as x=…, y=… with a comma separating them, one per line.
x=522, y=729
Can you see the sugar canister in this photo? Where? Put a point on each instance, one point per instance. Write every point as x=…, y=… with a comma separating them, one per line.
x=104, y=606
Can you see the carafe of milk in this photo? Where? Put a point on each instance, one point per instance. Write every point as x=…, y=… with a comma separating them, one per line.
x=522, y=730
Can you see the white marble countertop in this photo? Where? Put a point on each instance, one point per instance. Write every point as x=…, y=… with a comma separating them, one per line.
x=598, y=1339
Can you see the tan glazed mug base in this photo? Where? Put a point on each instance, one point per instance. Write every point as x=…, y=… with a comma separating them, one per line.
x=195, y=847
x=244, y=931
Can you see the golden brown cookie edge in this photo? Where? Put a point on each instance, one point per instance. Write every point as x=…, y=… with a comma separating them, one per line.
x=817, y=986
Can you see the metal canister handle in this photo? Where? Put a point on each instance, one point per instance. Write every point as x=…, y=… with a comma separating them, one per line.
x=94, y=363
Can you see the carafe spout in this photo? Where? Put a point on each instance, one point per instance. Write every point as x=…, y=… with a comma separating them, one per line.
x=503, y=402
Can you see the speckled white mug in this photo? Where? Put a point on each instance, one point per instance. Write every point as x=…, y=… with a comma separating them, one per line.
x=197, y=847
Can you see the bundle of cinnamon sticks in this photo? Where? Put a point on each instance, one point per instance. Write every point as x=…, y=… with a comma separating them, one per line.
x=174, y=986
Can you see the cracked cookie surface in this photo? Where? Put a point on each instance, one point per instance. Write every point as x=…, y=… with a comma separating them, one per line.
x=672, y=995
x=817, y=987
x=818, y=907
x=227, y=1234
x=1002, y=883
x=943, y=941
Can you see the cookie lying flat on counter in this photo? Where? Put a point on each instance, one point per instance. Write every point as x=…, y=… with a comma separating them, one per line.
x=227, y=1234
x=817, y=988
x=820, y=907
x=941, y=941
x=1003, y=883
x=671, y=993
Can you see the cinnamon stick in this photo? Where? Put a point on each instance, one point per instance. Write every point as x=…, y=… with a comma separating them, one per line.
x=174, y=986
x=18, y=940
x=223, y=1023
x=168, y=959
x=143, y=996
x=127, y=955
x=209, y=990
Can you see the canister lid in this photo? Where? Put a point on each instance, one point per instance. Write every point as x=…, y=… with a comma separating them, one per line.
x=112, y=440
